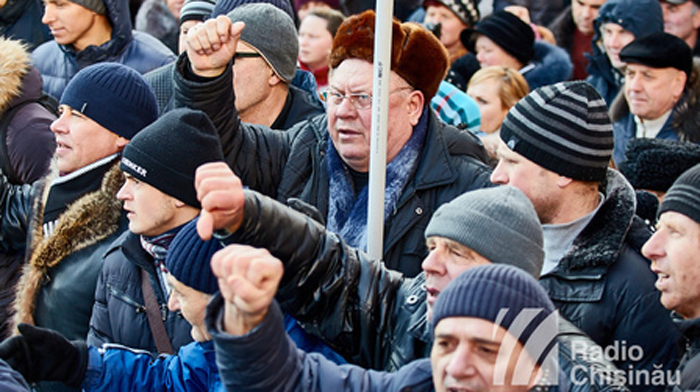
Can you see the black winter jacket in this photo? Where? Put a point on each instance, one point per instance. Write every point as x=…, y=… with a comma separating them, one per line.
x=605, y=286
x=119, y=314
x=292, y=164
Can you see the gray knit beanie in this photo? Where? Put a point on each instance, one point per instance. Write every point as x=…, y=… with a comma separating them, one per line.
x=501, y=294
x=93, y=5
x=498, y=223
x=263, y=21
x=684, y=195
x=188, y=259
x=563, y=127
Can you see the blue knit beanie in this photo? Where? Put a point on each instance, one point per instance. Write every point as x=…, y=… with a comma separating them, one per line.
x=167, y=153
x=188, y=259
x=499, y=293
x=113, y=95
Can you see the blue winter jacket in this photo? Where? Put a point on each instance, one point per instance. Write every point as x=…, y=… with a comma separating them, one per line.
x=550, y=65
x=638, y=17
x=138, y=50
x=118, y=368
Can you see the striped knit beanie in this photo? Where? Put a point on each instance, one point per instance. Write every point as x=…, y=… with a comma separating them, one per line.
x=564, y=128
x=684, y=195
x=504, y=295
x=196, y=10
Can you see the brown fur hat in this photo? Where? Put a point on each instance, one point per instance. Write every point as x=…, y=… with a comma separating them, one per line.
x=416, y=54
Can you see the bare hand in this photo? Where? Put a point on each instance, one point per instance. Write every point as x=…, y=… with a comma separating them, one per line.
x=212, y=44
x=220, y=192
x=248, y=279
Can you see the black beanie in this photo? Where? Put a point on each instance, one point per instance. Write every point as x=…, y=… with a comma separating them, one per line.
x=684, y=195
x=659, y=50
x=188, y=259
x=563, y=127
x=167, y=153
x=502, y=294
x=507, y=31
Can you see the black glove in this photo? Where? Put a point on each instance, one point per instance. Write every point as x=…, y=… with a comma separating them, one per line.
x=41, y=354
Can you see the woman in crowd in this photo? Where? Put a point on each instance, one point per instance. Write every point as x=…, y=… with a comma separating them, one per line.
x=316, y=34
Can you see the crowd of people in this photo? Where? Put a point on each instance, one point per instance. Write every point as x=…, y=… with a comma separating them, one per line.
x=184, y=196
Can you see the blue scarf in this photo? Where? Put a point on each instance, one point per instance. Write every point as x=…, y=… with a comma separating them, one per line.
x=347, y=211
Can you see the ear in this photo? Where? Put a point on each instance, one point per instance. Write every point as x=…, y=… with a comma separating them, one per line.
x=563, y=182
x=679, y=84
x=415, y=106
x=122, y=142
x=274, y=80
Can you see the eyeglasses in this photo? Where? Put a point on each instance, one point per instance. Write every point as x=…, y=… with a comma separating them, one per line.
x=360, y=101
x=246, y=55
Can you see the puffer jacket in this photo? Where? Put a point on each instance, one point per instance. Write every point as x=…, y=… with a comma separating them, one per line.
x=21, y=20
x=639, y=17
x=118, y=368
x=683, y=124
x=119, y=313
x=138, y=50
x=378, y=319
x=293, y=164
x=30, y=146
x=605, y=286
x=550, y=65
x=279, y=366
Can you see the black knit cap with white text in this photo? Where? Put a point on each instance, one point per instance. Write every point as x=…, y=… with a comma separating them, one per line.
x=563, y=127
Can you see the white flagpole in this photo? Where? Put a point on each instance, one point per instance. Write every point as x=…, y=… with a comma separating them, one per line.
x=380, y=105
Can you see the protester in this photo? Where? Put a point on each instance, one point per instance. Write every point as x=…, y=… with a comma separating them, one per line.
x=573, y=30
x=673, y=250
x=159, y=197
x=87, y=32
x=681, y=18
x=161, y=19
x=555, y=146
x=505, y=40
x=661, y=92
x=66, y=221
x=27, y=145
x=316, y=34
x=617, y=24
x=447, y=18
x=324, y=161
x=21, y=20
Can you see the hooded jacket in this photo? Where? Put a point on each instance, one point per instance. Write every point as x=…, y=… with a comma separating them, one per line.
x=30, y=145
x=21, y=20
x=639, y=17
x=683, y=124
x=294, y=164
x=604, y=286
x=138, y=50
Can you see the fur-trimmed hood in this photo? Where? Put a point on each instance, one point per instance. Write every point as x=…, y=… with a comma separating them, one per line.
x=15, y=64
x=87, y=221
x=552, y=64
x=685, y=120
x=601, y=241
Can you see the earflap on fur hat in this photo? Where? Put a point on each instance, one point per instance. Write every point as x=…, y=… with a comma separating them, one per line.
x=416, y=54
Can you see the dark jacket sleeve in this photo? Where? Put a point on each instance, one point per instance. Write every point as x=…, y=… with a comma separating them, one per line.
x=257, y=154
x=335, y=291
x=16, y=206
x=266, y=359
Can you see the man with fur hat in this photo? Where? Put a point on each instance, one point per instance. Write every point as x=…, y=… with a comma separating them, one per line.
x=675, y=253
x=159, y=198
x=67, y=220
x=493, y=225
x=660, y=93
x=556, y=144
x=86, y=32
x=324, y=161
x=28, y=144
x=617, y=24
